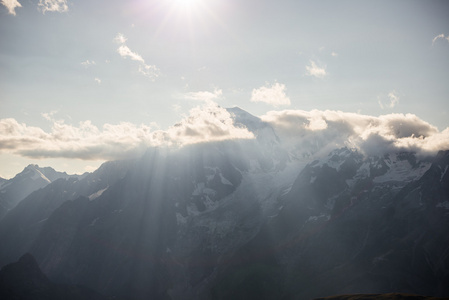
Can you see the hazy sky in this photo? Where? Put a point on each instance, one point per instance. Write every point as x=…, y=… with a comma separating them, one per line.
x=126, y=68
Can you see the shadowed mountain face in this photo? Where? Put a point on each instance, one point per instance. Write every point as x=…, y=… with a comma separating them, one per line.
x=32, y=178
x=24, y=280
x=20, y=227
x=389, y=296
x=369, y=235
x=242, y=220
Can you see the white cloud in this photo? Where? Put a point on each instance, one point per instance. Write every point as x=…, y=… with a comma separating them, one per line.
x=151, y=72
x=304, y=133
x=125, y=52
x=206, y=124
x=394, y=98
x=316, y=71
x=205, y=96
x=120, y=38
x=88, y=63
x=49, y=116
x=274, y=95
x=380, y=103
x=11, y=6
x=53, y=5
x=334, y=54
x=86, y=141
x=176, y=107
x=318, y=132
x=440, y=36
x=97, y=80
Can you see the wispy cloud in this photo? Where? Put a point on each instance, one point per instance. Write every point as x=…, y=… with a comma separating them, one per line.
x=274, y=95
x=53, y=5
x=392, y=98
x=120, y=38
x=125, y=52
x=318, y=132
x=11, y=5
x=88, y=63
x=97, y=80
x=334, y=54
x=86, y=141
x=49, y=115
x=205, y=96
x=150, y=71
x=440, y=36
x=176, y=107
x=314, y=70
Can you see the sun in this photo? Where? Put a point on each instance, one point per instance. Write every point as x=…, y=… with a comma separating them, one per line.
x=185, y=3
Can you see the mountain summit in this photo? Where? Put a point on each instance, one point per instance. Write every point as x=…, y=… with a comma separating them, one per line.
x=32, y=178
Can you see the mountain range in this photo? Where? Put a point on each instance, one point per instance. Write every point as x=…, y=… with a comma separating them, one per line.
x=32, y=178
x=237, y=219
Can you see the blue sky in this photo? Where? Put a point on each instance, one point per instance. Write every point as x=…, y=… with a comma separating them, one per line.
x=127, y=68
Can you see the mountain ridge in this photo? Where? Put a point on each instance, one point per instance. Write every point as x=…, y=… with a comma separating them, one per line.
x=32, y=178
x=242, y=219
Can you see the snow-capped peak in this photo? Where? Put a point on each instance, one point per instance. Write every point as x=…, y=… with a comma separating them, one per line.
x=35, y=173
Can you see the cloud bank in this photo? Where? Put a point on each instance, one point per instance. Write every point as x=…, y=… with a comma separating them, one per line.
x=11, y=5
x=319, y=132
x=303, y=133
x=274, y=95
x=87, y=141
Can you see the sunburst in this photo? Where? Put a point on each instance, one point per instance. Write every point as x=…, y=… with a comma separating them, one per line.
x=185, y=4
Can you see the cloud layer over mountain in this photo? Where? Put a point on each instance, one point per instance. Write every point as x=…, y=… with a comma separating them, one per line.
x=321, y=131
x=87, y=141
x=307, y=132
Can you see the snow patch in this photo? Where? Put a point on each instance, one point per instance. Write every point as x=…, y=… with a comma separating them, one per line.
x=362, y=172
x=37, y=174
x=402, y=171
x=97, y=194
x=94, y=222
x=444, y=205
x=199, y=187
x=444, y=173
x=224, y=180
x=180, y=219
x=320, y=217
